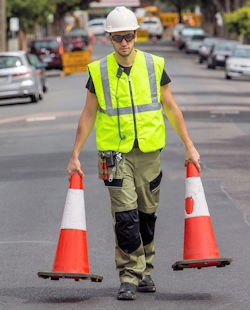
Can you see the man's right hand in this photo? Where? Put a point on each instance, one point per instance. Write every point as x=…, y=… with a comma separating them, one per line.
x=74, y=167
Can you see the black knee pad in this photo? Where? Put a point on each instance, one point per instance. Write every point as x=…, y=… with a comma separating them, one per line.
x=147, y=227
x=127, y=230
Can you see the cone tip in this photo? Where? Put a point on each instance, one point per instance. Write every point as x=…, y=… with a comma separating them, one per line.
x=192, y=170
x=76, y=181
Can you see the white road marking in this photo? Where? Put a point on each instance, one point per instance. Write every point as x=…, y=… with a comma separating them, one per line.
x=40, y=118
x=27, y=241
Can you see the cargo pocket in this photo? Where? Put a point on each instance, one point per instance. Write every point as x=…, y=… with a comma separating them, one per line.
x=155, y=184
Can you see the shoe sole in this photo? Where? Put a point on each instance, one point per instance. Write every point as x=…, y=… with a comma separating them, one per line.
x=125, y=296
x=146, y=289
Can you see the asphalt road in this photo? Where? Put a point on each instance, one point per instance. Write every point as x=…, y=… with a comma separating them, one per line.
x=36, y=144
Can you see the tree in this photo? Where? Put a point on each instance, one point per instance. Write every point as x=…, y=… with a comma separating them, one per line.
x=181, y=5
x=239, y=21
x=29, y=12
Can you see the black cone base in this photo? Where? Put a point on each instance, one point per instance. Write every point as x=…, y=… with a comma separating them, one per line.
x=66, y=275
x=202, y=263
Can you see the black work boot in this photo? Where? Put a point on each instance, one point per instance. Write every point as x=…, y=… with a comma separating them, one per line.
x=146, y=285
x=127, y=291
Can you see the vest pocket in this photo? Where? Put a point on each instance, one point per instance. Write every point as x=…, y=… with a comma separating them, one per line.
x=155, y=184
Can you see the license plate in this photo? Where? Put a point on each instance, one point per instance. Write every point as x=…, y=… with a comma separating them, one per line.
x=47, y=59
x=3, y=79
x=220, y=57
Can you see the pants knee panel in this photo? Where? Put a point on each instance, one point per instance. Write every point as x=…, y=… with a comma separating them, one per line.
x=147, y=227
x=127, y=230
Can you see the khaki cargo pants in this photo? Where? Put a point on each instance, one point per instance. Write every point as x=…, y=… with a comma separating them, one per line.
x=134, y=194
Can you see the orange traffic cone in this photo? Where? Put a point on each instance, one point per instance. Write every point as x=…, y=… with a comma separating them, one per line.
x=154, y=40
x=200, y=248
x=71, y=259
x=93, y=39
x=104, y=40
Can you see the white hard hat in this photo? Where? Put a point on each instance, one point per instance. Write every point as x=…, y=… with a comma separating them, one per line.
x=121, y=19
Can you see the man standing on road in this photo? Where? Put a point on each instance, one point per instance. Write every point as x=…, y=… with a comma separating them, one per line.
x=126, y=93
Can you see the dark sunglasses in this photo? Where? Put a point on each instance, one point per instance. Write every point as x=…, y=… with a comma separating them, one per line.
x=128, y=37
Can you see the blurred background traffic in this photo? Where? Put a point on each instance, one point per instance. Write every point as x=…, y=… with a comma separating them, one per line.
x=36, y=35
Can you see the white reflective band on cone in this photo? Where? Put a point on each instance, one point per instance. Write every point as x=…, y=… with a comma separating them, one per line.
x=195, y=190
x=74, y=211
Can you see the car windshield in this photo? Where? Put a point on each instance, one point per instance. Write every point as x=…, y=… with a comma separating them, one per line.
x=209, y=41
x=78, y=30
x=242, y=53
x=10, y=62
x=229, y=46
x=197, y=38
x=148, y=22
x=192, y=31
x=46, y=45
x=96, y=24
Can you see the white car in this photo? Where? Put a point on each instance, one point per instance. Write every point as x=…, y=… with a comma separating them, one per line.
x=96, y=26
x=238, y=64
x=18, y=77
x=153, y=25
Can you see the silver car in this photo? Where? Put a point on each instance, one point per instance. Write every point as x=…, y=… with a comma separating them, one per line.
x=18, y=77
x=239, y=63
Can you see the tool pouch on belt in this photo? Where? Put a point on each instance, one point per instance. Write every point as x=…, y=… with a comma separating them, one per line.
x=108, y=164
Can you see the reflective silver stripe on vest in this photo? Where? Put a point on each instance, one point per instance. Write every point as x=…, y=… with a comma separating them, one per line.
x=128, y=110
x=105, y=83
x=154, y=106
x=151, y=77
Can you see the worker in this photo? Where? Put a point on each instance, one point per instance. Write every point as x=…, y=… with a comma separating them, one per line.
x=126, y=93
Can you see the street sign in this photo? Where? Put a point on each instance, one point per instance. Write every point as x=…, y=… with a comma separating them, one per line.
x=74, y=62
x=14, y=24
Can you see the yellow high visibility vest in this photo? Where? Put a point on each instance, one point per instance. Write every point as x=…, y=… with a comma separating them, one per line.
x=129, y=106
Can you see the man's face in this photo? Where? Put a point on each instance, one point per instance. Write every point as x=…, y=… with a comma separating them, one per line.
x=120, y=44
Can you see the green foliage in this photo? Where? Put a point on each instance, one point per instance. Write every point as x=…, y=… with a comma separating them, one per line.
x=239, y=21
x=29, y=12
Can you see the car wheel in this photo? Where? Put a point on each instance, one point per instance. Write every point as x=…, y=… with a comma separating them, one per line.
x=227, y=77
x=45, y=88
x=200, y=60
x=159, y=37
x=34, y=98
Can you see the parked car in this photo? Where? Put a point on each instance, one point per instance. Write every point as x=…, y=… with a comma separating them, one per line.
x=82, y=33
x=153, y=25
x=73, y=42
x=187, y=33
x=219, y=53
x=97, y=25
x=177, y=32
x=194, y=43
x=18, y=77
x=238, y=64
x=49, y=50
x=205, y=48
x=41, y=71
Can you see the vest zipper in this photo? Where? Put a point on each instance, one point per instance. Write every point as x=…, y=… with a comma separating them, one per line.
x=133, y=106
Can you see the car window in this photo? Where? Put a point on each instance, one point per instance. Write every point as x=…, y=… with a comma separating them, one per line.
x=47, y=45
x=10, y=62
x=33, y=60
x=192, y=31
x=242, y=53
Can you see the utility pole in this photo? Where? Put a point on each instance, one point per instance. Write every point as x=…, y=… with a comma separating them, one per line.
x=2, y=26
